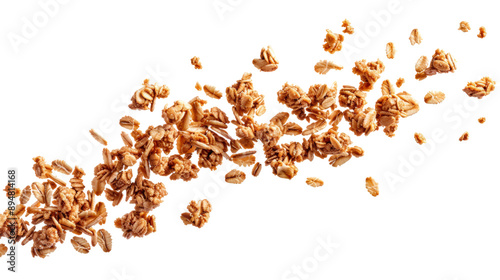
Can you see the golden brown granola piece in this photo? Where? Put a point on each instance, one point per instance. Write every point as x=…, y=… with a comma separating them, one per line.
x=199, y=213
x=130, y=123
x=44, y=241
x=61, y=166
x=434, y=97
x=212, y=92
x=235, y=177
x=136, y=224
x=464, y=136
x=178, y=114
x=267, y=61
x=41, y=168
x=145, y=97
x=361, y=122
x=324, y=66
x=441, y=62
x=195, y=61
x=419, y=138
x=244, y=158
x=482, y=32
x=333, y=42
x=480, y=88
x=105, y=241
x=322, y=97
x=481, y=120
x=415, y=37
x=80, y=244
x=98, y=137
x=198, y=87
x=314, y=182
x=422, y=64
x=390, y=51
x=368, y=72
x=294, y=98
x=256, y=169
x=372, y=186
x=400, y=82
x=347, y=27
x=352, y=98
x=245, y=99
x=464, y=26
x=3, y=250
x=25, y=195
x=146, y=195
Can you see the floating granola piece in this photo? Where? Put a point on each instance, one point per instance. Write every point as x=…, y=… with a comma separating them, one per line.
x=422, y=64
x=198, y=87
x=400, y=82
x=480, y=88
x=256, y=169
x=294, y=98
x=324, y=66
x=390, y=51
x=419, y=138
x=267, y=61
x=372, y=186
x=195, y=61
x=464, y=136
x=235, y=177
x=347, y=27
x=136, y=224
x=244, y=158
x=441, y=62
x=104, y=240
x=352, y=98
x=3, y=250
x=61, y=166
x=25, y=195
x=130, y=123
x=199, y=213
x=333, y=42
x=361, y=122
x=98, y=137
x=44, y=241
x=314, y=182
x=482, y=32
x=80, y=244
x=145, y=97
x=368, y=72
x=245, y=99
x=481, y=120
x=212, y=92
x=415, y=37
x=464, y=26
x=434, y=97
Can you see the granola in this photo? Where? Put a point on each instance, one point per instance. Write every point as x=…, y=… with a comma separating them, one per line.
x=199, y=213
x=464, y=26
x=80, y=244
x=130, y=123
x=136, y=224
x=324, y=66
x=415, y=37
x=314, y=182
x=464, y=136
x=3, y=250
x=256, y=169
x=145, y=97
x=347, y=27
x=441, y=62
x=390, y=51
x=98, y=137
x=419, y=138
x=480, y=88
x=400, y=82
x=198, y=87
x=482, y=32
x=368, y=72
x=195, y=61
x=235, y=177
x=104, y=240
x=434, y=97
x=481, y=120
x=372, y=186
x=333, y=42
x=212, y=92
x=267, y=61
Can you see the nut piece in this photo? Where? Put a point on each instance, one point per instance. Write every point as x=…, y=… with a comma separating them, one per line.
x=480, y=88
x=434, y=97
x=347, y=27
x=324, y=66
x=80, y=244
x=419, y=138
x=256, y=169
x=415, y=37
x=368, y=72
x=390, y=51
x=212, y=92
x=372, y=186
x=314, y=182
x=481, y=120
x=400, y=82
x=128, y=122
x=267, y=61
x=104, y=240
x=199, y=213
x=333, y=42
x=235, y=177
x=61, y=166
x=98, y=137
x=482, y=32
x=195, y=61
x=464, y=26
x=464, y=136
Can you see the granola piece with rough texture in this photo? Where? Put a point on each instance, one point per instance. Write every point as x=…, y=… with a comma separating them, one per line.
x=199, y=213
x=347, y=27
x=333, y=42
x=481, y=120
x=195, y=61
x=245, y=99
x=136, y=224
x=44, y=241
x=198, y=87
x=181, y=168
x=464, y=137
x=323, y=97
x=434, y=97
x=267, y=61
x=145, y=97
x=361, y=122
x=400, y=82
x=390, y=51
x=464, y=26
x=352, y=98
x=235, y=177
x=146, y=195
x=212, y=92
x=419, y=138
x=42, y=169
x=294, y=98
x=368, y=72
x=482, y=32
x=441, y=62
x=415, y=37
x=25, y=195
x=422, y=64
x=178, y=114
x=324, y=66
x=98, y=137
x=480, y=88
x=372, y=186
x=314, y=182
x=244, y=158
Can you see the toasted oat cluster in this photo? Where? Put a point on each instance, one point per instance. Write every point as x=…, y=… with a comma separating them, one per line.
x=481, y=120
x=361, y=122
x=415, y=37
x=464, y=26
x=199, y=213
x=136, y=224
x=324, y=66
x=195, y=61
x=482, y=32
x=368, y=72
x=347, y=27
x=400, y=82
x=480, y=88
x=464, y=137
x=419, y=138
x=441, y=62
x=267, y=61
x=333, y=42
x=145, y=97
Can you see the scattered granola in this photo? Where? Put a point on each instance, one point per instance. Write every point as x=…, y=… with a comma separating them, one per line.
x=434, y=97
x=235, y=177
x=464, y=136
x=372, y=186
x=422, y=64
x=195, y=61
x=464, y=26
x=481, y=120
x=480, y=88
x=314, y=182
x=400, y=82
x=199, y=213
x=324, y=66
x=267, y=61
x=419, y=138
x=368, y=72
x=482, y=32
x=415, y=37
x=333, y=42
x=347, y=27
x=390, y=51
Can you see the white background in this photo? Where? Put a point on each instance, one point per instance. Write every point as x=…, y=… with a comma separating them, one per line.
x=437, y=220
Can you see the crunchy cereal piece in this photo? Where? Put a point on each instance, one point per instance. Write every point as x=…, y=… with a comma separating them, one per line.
x=44, y=241
x=198, y=87
x=130, y=123
x=3, y=250
x=136, y=224
x=104, y=240
x=324, y=66
x=25, y=195
x=41, y=168
x=314, y=182
x=352, y=98
x=212, y=92
x=481, y=120
x=333, y=42
x=464, y=26
x=361, y=122
x=235, y=177
x=322, y=97
x=267, y=61
x=390, y=51
x=61, y=166
x=256, y=169
x=80, y=244
x=482, y=32
x=347, y=27
x=400, y=82
x=372, y=186
x=145, y=97
x=415, y=37
x=434, y=97
x=195, y=61
x=368, y=72
x=178, y=114
x=98, y=137
x=199, y=213
x=422, y=64
x=480, y=88
x=441, y=62
x=419, y=138
x=464, y=136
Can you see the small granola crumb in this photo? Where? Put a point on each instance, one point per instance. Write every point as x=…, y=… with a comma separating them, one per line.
x=434, y=97
x=390, y=51
x=267, y=61
x=98, y=137
x=400, y=82
x=333, y=42
x=464, y=26
x=198, y=86
x=235, y=177
x=195, y=61
x=347, y=27
x=314, y=182
x=481, y=120
x=480, y=88
x=324, y=66
x=372, y=186
x=415, y=37
x=419, y=138
x=199, y=213
x=464, y=136
x=482, y=32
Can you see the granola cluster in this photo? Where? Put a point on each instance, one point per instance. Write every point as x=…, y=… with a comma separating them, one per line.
x=267, y=61
x=369, y=72
x=145, y=97
x=333, y=42
x=441, y=62
x=480, y=88
x=199, y=213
